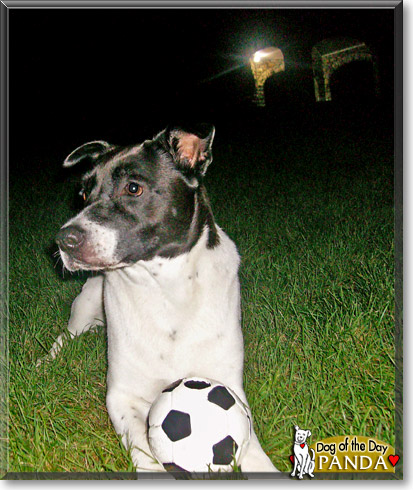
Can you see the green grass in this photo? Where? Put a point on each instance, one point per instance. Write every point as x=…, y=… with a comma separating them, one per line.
x=313, y=221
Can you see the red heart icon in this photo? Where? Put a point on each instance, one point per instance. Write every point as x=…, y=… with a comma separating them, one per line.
x=393, y=458
x=302, y=445
x=292, y=459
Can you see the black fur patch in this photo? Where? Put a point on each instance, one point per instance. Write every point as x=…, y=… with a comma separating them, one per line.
x=166, y=219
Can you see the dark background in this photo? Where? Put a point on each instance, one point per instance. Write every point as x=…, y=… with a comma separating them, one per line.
x=122, y=75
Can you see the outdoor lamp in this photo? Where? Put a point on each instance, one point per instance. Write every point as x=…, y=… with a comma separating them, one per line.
x=264, y=63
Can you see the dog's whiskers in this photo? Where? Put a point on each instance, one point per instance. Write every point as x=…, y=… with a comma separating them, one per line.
x=57, y=255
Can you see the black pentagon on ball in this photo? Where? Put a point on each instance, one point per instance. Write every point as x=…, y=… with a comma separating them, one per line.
x=224, y=451
x=193, y=384
x=221, y=397
x=172, y=386
x=177, y=425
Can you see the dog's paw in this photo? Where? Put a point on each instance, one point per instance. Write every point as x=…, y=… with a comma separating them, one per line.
x=144, y=462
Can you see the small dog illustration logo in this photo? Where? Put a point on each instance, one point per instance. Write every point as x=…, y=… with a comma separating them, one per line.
x=303, y=462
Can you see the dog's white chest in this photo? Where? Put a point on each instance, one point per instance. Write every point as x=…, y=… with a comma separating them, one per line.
x=175, y=317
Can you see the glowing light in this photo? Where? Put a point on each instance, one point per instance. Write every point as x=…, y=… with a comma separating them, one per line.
x=265, y=63
x=272, y=53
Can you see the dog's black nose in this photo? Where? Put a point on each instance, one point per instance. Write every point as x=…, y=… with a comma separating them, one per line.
x=70, y=238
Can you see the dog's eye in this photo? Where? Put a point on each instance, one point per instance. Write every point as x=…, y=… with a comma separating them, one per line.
x=134, y=189
x=84, y=196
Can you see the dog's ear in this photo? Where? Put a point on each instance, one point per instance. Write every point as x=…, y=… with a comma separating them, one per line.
x=91, y=150
x=190, y=147
x=308, y=433
x=296, y=427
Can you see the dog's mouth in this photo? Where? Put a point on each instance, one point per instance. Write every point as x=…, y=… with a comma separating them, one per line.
x=75, y=263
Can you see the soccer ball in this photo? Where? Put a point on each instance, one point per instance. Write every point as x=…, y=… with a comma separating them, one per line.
x=198, y=425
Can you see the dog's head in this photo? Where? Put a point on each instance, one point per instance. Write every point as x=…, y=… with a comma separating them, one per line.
x=301, y=435
x=140, y=201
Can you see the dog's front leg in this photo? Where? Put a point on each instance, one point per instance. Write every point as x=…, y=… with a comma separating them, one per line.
x=129, y=417
x=255, y=460
x=302, y=466
x=86, y=312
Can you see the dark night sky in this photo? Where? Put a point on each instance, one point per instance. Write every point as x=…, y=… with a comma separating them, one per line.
x=73, y=70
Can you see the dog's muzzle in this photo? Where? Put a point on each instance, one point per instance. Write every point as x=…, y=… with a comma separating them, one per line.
x=87, y=245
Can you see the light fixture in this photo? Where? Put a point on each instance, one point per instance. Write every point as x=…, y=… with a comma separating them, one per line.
x=264, y=63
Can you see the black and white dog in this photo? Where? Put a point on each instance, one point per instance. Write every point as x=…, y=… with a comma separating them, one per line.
x=169, y=291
